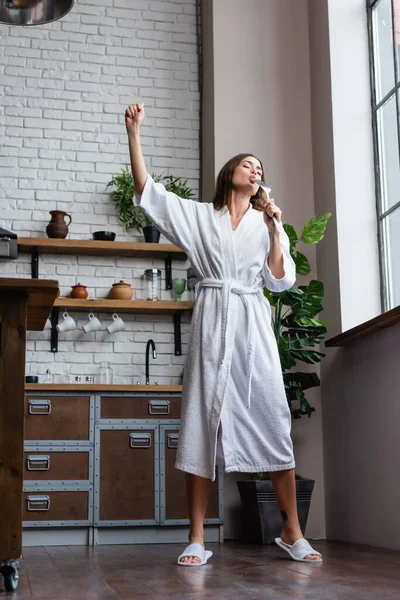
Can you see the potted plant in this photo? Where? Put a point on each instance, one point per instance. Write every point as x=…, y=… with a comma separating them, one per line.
x=133, y=217
x=297, y=331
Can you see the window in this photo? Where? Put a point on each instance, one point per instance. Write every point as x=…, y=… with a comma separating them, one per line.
x=384, y=39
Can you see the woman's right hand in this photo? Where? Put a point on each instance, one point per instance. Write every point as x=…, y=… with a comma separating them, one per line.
x=134, y=115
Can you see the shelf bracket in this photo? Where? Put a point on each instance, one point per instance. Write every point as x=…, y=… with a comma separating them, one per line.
x=35, y=263
x=168, y=272
x=177, y=334
x=55, y=313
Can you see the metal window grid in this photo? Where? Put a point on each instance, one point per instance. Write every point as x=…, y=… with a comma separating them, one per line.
x=382, y=215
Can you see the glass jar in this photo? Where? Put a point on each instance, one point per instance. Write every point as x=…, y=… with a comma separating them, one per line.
x=104, y=374
x=152, y=284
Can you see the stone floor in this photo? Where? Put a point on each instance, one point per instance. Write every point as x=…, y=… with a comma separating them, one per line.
x=235, y=572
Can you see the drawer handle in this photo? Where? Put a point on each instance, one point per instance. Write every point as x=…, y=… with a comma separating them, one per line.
x=172, y=440
x=38, y=463
x=159, y=407
x=140, y=440
x=39, y=407
x=38, y=503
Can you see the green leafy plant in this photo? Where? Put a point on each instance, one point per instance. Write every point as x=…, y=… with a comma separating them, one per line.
x=296, y=326
x=122, y=191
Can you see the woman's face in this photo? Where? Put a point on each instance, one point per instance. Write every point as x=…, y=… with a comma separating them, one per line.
x=245, y=173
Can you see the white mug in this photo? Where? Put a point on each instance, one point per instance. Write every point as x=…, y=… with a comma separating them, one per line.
x=116, y=325
x=68, y=324
x=93, y=324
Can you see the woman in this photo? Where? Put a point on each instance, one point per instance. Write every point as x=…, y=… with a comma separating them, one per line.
x=233, y=392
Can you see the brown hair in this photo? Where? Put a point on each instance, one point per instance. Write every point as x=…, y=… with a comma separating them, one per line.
x=223, y=190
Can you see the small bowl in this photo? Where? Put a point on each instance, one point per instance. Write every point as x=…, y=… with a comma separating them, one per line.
x=104, y=236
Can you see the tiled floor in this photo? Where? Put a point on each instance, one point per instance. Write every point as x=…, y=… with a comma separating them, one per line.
x=236, y=571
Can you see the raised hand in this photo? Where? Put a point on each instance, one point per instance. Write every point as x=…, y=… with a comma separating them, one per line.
x=134, y=115
x=271, y=210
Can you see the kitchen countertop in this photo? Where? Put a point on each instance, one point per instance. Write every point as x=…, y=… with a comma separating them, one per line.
x=93, y=387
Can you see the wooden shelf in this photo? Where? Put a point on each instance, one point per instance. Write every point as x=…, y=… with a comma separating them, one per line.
x=97, y=248
x=161, y=307
x=386, y=319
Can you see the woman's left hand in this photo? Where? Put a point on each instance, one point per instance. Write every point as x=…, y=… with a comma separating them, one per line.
x=271, y=210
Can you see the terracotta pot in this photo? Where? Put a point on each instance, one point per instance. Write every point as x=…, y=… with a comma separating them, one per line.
x=121, y=291
x=57, y=227
x=79, y=291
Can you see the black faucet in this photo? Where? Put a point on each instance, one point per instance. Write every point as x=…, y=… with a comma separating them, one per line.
x=152, y=344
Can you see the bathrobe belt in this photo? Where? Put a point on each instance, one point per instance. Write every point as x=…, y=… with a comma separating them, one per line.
x=229, y=287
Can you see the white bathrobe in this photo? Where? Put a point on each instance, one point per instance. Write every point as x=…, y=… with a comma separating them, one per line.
x=232, y=387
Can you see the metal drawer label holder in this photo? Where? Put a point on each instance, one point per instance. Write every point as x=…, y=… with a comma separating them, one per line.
x=38, y=463
x=140, y=440
x=38, y=503
x=39, y=407
x=159, y=407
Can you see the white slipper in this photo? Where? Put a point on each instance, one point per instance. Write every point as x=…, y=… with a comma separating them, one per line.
x=299, y=550
x=195, y=550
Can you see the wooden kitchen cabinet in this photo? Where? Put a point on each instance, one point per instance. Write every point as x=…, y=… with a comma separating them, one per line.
x=106, y=460
x=173, y=499
x=126, y=478
x=141, y=486
x=58, y=460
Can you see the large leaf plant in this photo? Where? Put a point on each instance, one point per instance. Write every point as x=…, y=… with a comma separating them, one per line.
x=122, y=191
x=297, y=329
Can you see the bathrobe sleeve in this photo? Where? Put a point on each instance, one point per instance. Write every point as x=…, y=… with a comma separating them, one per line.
x=175, y=217
x=287, y=281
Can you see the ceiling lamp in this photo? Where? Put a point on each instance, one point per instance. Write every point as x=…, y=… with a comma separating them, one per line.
x=33, y=12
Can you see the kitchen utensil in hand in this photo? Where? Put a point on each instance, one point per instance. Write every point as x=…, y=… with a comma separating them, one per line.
x=267, y=190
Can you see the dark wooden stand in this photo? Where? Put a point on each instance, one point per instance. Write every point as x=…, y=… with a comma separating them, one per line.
x=25, y=304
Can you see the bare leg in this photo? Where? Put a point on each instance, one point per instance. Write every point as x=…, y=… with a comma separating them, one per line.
x=198, y=489
x=285, y=490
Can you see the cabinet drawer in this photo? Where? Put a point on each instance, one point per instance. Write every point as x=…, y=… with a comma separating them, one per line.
x=53, y=466
x=134, y=407
x=56, y=506
x=57, y=417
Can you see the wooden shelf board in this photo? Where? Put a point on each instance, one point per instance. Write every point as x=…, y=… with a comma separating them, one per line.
x=93, y=387
x=124, y=306
x=386, y=319
x=97, y=248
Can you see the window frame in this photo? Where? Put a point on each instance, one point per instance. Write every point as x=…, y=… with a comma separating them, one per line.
x=382, y=215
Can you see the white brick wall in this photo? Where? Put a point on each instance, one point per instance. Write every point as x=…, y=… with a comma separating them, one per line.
x=63, y=91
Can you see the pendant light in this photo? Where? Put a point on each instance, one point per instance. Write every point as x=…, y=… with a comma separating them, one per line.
x=33, y=12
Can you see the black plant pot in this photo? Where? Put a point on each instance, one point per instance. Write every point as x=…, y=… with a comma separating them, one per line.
x=261, y=520
x=151, y=234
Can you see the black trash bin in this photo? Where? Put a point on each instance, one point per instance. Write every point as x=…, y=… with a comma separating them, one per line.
x=261, y=520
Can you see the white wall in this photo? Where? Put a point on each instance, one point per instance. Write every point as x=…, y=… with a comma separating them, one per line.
x=360, y=383
x=353, y=162
x=260, y=81
x=64, y=88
